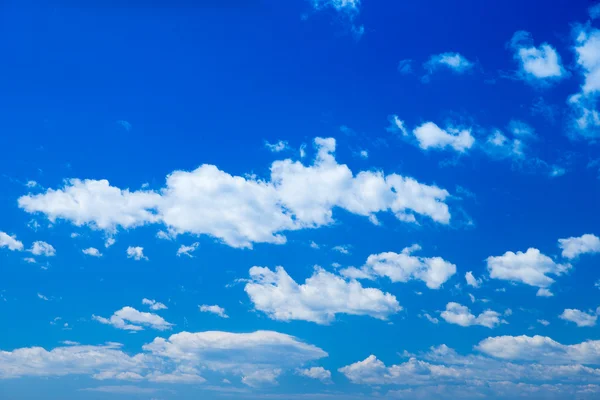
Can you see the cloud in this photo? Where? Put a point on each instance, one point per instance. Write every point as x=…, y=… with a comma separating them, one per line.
x=214, y=310
x=124, y=124
x=187, y=250
x=405, y=67
x=40, y=248
x=460, y=315
x=403, y=267
x=10, y=241
x=540, y=349
x=137, y=253
x=536, y=63
x=318, y=373
x=154, y=305
x=472, y=281
x=341, y=249
x=177, y=359
x=453, y=61
x=42, y=297
x=92, y=251
x=431, y=319
x=277, y=146
x=130, y=319
x=319, y=299
x=573, y=247
x=242, y=210
x=580, y=318
x=543, y=292
x=109, y=242
x=397, y=126
x=430, y=136
x=531, y=268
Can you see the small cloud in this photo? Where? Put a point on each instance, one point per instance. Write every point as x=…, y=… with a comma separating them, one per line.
x=277, y=147
x=41, y=296
x=40, y=248
x=536, y=64
x=154, y=305
x=364, y=154
x=429, y=318
x=137, y=253
x=594, y=11
x=313, y=245
x=109, y=242
x=452, y=61
x=31, y=184
x=33, y=225
x=187, y=250
x=213, y=310
x=29, y=260
x=164, y=235
x=74, y=235
x=92, y=251
x=405, y=67
x=342, y=249
x=543, y=322
x=543, y=292
x=124, y=124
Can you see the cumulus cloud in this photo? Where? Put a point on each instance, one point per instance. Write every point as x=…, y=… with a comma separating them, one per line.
x=187, y=250
x=177, y=359
x=214, y=309
x=580, y=318
x=40, y=248
x=404, y=266
x=154, y=305
x=242, y=210
x=536, y=63
x=453, y=61
x=531, y=268
x=318, y=373
x=137, y=253
x=431, y=136
x=92, y=251
x=543, y=292
x=461, y=315
x=472, y=281
x=10, y=242
x=319, y=299
x=573, y=247
x=130, y=319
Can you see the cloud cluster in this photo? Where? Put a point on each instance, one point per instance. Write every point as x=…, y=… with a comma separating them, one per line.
x=242, y=210
x=318, y=299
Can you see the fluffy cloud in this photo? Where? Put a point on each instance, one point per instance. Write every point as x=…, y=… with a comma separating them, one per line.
x=431, y=136
x=40, y=248
x=130, y=319
x=10, y=241
x=242, y=210
x=539, y=63
x=575, y=246
x=187, y=250
x=402, y=267
x=471, y=280
x=580, y=318
x=531, y=268
x=177, y=359
x=318, y=373
x=220, y=311
x=154, y=305
x=460, y=315
x=454, y=61
x=137, y=253
x=92, y=251
x=319, y=299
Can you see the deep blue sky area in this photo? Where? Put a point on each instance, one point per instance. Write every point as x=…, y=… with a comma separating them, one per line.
x=345, y=199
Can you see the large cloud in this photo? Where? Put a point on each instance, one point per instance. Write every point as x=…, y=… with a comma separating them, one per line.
x=242, y=210
x=319, y=299
x=177, y=359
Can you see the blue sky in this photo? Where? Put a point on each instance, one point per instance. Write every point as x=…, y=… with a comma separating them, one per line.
x=346, y=199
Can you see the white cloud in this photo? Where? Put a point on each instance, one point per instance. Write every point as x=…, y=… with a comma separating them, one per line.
x=397, y=126
x=472, y=298
x=314, y=245
x=42, y=297
x=92, y=251
x=531, y=268
x=472, y=281
x=536, y=63
x=31, y=184
x=431, y=136
x=154, y=305
x=178, y=359
x=318, y=373
x=341, y=249
x=242, y=210
x=40, y=248
x=29, y=260
x=543, y=292
x=460, y=315
x=277, y=146
x=364, y=154
x=130, y=319
x=319, y=299
x=454, y=61
x=187, y=250
x=109, y=242
x=137, y=253
x=214, y=309
x=580, y=318
x=540, y=349
x=573, y=247
x=10, y=241
x=403, y=267
x=431, y=319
